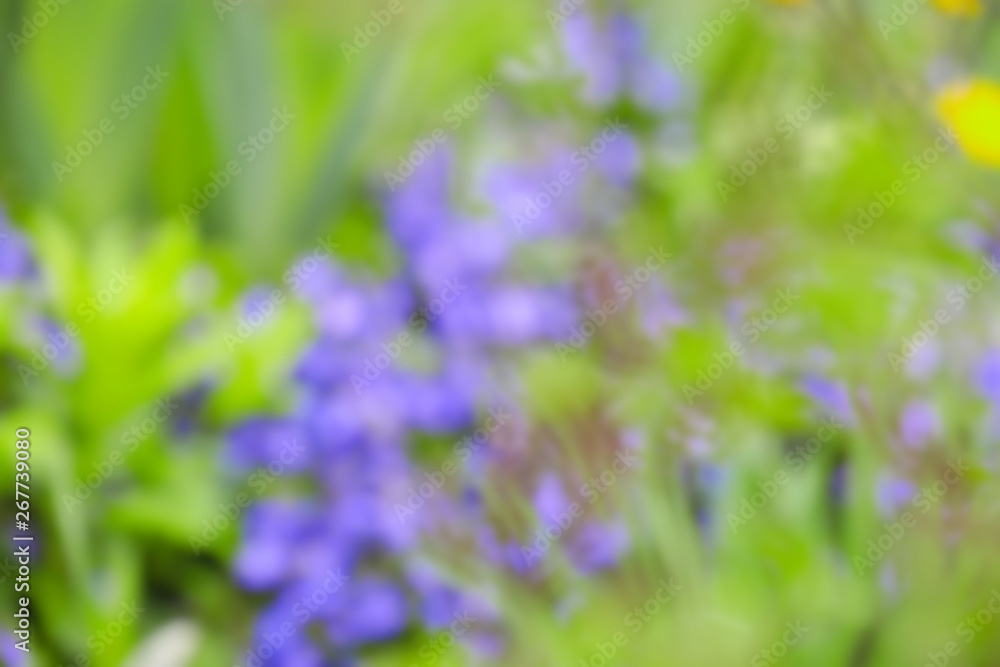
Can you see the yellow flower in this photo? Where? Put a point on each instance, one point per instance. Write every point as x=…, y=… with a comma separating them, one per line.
x=972, y=109
x=960, y=7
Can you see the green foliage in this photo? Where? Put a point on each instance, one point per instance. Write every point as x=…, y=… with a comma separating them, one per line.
x=122, y=210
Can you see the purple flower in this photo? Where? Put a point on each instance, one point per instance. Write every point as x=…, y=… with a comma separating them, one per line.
x=365, y=520
x=440, y=404
x=351, y=312
x=324, y=364
x=370, y=610
x=924, y=362
x=59, y=346
x=986, y=377
x=893, y=493
x=614, y=61
x=969, y=236
x=551, y=500
x=621, y=160
x=417, y=353
x=274, y=531
x=16, y=262
x=274, y=645
x=419, y=209
x=511, y=316
x=268, y=441
x=918, y=424
x=12, y=657
x=465, y=253
x=189, y=407
x=441, y=603
x=506, y=554
x=831, y=396
x=660, y=310
x=598, y=546
x=520, y=198
x=655, y=87
x=590, y=52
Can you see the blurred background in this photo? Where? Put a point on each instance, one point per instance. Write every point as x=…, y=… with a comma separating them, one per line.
x=439, y=333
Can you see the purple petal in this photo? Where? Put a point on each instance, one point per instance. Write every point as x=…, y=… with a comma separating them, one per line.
x=599, y=546
x=591, y=53
x=280, y=640
x=438, y=405
x=467, y=252
x=272, y=535
x=893, y=493
x=419, y=209
x=621, y=160
x=522, y=201
x=11, y=656
x=511, y=315
x=373, y=610
x=831, y=396
x=16, y=262
x=266, y=441
x=986, y=376
x=919, y=423
x=519, y=315
x=550, y=499
x=654, y=87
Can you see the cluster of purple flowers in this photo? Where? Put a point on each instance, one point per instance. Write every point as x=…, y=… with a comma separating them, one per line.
x=357, y=426
x=377, y=376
